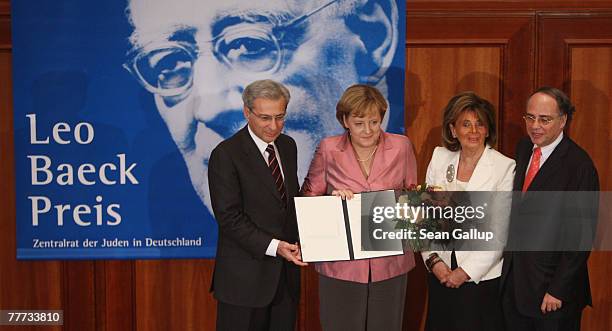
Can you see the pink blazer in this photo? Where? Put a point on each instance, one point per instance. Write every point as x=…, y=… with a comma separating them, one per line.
x=335, y=166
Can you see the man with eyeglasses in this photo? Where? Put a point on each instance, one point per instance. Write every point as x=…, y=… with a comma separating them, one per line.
x=544, y=287
x=196, y=57
x=253, y=180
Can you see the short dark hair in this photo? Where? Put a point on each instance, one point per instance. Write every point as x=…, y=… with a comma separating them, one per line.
x=462, y=102
x=564, y=104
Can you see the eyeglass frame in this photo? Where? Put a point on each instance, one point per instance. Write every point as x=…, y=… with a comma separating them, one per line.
x=267, y=118
x=544, y=121
x=137, y=54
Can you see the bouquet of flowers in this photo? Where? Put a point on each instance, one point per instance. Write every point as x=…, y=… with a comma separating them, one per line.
x=422, y=219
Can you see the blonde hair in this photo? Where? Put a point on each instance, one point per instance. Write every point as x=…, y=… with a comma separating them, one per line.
x=359, y=100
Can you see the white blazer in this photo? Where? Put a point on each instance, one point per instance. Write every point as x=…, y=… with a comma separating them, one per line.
x=494, y=172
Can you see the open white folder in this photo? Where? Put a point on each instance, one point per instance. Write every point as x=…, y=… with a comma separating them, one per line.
x=330, y=229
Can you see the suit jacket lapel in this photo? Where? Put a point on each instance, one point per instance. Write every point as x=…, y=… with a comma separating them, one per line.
x=522, y=162
x=287, y=165
x=346, y=161
x=482, y=172
x=259, y=165
x=383, y=158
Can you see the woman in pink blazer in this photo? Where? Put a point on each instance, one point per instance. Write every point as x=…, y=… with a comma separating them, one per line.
x=363, y=294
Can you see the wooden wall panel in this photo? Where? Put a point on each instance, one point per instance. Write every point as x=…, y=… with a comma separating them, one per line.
x=78, y=295
x=5, y=31
x=5, y=6
x=575, y=55
x=309, y=300
x=115, y=298
x=505, y=5
x=590, y=73
x=173, y=295
x=591, y=91
x=558, y=33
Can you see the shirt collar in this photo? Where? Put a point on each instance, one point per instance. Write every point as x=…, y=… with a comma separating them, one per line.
x=261, y=145
x=345, y=141
x=548, y=149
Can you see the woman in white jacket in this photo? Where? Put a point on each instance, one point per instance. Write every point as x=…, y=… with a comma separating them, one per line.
x=463, y=285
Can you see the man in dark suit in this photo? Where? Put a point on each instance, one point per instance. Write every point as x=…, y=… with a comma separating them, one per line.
x=543, y=287
x=253, y=179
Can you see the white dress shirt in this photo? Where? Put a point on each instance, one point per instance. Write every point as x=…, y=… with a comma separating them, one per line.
x=262, y=145
x=547, y=150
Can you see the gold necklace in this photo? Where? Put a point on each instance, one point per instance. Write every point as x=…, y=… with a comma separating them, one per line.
x=369, y=157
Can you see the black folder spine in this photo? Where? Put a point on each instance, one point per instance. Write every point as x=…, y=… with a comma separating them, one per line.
x=347, y=227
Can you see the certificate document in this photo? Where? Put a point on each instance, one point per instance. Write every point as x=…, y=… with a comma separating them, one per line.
x=330, y=228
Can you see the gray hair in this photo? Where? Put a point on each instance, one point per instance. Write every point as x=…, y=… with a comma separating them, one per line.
x=266, y=89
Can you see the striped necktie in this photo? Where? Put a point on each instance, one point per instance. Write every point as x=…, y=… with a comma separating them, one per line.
x=276, y=172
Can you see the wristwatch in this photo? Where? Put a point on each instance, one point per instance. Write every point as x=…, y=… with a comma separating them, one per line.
x=432, y=260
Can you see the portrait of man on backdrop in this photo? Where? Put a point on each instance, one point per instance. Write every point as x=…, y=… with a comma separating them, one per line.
x=197, y=57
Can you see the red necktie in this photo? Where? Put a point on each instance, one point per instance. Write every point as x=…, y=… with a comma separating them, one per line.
x=276, y=172
x=534, y=166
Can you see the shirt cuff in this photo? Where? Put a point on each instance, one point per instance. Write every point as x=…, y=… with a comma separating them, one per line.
x=271, y=251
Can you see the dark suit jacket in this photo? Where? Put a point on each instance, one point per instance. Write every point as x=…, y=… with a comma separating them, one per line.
x=250, y=213
x=563, y=274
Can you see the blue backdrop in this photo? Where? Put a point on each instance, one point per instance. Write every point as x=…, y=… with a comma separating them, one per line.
x=100, y=91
